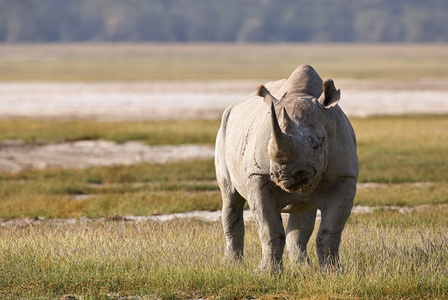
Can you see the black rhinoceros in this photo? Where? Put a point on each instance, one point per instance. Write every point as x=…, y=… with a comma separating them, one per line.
x=287, y=148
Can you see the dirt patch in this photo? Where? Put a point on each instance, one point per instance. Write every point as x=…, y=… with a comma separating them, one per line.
x=208, y=216
x=16, y=156
x=212, y=216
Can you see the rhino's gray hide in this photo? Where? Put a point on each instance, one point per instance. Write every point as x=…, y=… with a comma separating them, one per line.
x=288, y=147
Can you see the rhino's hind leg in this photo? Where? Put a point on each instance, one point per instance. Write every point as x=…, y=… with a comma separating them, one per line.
x=233, y=224
x=299, y=230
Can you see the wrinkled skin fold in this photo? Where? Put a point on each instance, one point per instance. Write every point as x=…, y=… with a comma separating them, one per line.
x=287, y=147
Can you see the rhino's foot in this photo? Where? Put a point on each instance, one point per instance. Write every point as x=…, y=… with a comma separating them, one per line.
x=298, y=258
x=332, y=268
x=270, y=267
x=231, y=262
x=232, y=257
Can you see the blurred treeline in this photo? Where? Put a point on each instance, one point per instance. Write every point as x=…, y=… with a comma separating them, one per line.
x=224, y=20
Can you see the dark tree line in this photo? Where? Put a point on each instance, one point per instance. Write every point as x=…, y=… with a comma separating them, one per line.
x=224, y=20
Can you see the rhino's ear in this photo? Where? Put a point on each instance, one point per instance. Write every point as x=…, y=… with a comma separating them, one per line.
x=330, y=95
x=268, y=98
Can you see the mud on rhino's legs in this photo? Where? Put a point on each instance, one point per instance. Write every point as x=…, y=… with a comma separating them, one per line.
x=334, y=217
x=299, y=230
x=233, y=225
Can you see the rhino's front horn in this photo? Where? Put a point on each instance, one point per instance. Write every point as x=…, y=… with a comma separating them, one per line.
x=281, y=146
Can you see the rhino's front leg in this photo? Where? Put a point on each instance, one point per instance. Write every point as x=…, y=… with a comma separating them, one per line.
x=233, y=225
x=335, y=212
x=299, y=230
x=267, y=214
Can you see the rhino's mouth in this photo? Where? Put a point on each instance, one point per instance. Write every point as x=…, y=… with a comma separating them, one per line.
x=300, y=181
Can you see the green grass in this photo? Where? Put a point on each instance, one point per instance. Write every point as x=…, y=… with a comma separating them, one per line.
x=402, y=149
x=406, y=194
x=144, y=189
x=149, y=189
x=390, y=149
x=182, y=260
x=134, y=62
x=395, y=151
x=151, y=132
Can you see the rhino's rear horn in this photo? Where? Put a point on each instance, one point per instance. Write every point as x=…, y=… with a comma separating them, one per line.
x=268, y=98
x=330, y=96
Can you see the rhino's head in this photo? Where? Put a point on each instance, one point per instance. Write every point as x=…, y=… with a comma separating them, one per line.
x=298, y=144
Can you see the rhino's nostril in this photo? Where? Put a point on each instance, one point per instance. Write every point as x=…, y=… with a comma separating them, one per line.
x=301, y=177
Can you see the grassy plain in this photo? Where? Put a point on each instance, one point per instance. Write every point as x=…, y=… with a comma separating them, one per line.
x=385, y=254
x=395, y=151
x=136, y=62
x=182, y=260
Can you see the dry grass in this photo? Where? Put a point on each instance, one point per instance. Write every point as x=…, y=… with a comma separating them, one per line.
x=385, y=254
x=182, y=259
x=131, y=62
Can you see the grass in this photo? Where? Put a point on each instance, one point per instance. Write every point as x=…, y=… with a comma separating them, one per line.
x=394, y=151
x=402, y=149
x=144, y=189
x=34, y=131
x=385, y=254
x=137, y=62
x=149, y=189
x=390, y=149
x=160, y=260
x=406, y=194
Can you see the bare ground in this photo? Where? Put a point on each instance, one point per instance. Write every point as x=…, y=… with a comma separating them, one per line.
x=208, y=216
x=16, y=156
